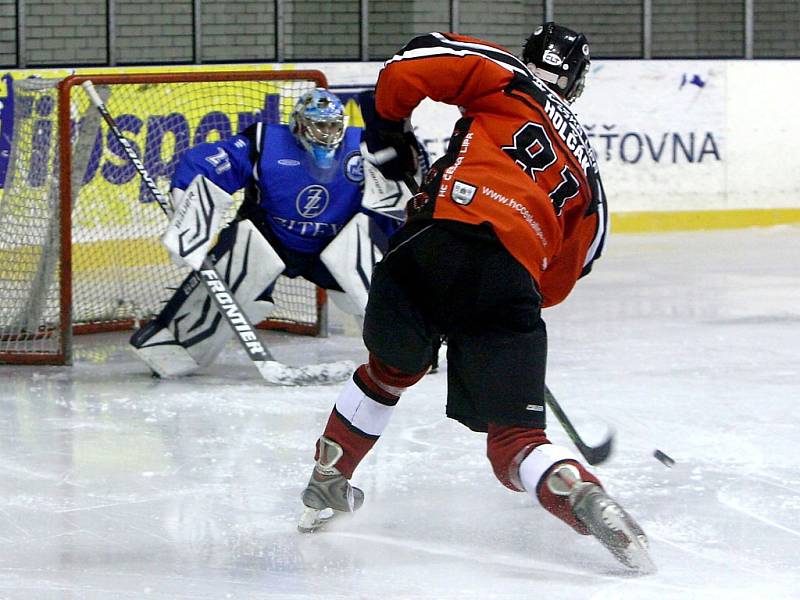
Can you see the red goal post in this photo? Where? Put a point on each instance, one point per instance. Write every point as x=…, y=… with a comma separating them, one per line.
x=79, y=235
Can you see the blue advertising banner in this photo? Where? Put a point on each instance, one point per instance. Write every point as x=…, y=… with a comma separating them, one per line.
x=6, y=122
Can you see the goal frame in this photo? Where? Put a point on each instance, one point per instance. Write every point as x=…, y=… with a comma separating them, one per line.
x=63, y=355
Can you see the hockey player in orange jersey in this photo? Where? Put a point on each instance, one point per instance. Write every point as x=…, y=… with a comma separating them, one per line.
x=505, y=224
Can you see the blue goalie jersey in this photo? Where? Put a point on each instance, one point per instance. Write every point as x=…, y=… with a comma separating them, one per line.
x=303, y=206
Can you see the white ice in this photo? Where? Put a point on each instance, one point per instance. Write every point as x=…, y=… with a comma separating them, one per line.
x=116, y=485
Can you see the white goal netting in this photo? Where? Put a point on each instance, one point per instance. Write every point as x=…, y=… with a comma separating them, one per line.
x=99, y=265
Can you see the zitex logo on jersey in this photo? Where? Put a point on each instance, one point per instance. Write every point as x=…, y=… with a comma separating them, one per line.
x=312, y=201
x=354, y=167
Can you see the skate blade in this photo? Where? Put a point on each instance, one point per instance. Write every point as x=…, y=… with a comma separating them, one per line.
x=635, y=555
x=313, y=519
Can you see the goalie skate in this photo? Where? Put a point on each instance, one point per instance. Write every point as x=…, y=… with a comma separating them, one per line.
x=328, y=492
x=605, y=519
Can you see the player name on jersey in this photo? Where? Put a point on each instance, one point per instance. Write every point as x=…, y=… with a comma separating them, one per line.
x=572, y=133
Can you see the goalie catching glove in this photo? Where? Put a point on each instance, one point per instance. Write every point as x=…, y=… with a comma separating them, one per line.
x=197, y=219
x=388, y=145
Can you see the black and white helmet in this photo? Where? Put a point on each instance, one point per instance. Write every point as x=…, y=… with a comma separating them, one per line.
x=559, y=57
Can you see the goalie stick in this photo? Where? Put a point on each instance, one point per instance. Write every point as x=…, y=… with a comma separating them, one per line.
x=594, y=455
x=271, y=370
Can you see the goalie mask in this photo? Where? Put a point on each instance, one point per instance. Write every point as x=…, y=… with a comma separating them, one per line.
x=318, y=123
x=559, y=57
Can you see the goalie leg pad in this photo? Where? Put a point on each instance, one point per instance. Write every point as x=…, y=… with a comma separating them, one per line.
x=190, y=332
x=350, y=257
x=160, y=351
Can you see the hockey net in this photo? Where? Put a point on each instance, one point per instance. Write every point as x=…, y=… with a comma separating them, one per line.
x=99, y=265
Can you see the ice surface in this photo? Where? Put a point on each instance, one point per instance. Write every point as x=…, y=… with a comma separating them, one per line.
x=115, y=485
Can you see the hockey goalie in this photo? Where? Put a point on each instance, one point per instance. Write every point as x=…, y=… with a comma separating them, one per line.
x=308, y=211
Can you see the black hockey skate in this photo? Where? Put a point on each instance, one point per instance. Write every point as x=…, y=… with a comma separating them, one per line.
x=328, y=492
x=604, y=518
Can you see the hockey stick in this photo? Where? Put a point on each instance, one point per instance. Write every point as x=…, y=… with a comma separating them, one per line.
x=271, y=370
x=594, y=455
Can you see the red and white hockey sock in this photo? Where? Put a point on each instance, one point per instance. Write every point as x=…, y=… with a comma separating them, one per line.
x=523, y=458
x=507, y=446
x=534, y=471
x=363, y=410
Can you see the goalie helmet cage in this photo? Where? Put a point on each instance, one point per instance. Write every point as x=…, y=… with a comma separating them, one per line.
x=79, y=232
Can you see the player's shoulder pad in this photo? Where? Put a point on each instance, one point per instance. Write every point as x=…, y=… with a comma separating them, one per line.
x=451, y=44
x=466, y=39
x=426, y=40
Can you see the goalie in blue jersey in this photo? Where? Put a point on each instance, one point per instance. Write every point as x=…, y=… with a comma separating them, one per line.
x=303, y=215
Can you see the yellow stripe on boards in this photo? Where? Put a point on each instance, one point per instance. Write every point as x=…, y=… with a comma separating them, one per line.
x=15, y=264
x=644, y=222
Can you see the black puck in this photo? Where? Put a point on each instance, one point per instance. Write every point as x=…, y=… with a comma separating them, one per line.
x=663, y=458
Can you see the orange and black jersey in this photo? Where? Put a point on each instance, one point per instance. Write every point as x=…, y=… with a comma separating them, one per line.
x=518, y=159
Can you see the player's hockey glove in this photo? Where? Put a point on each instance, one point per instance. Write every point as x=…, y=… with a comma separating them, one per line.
x=389, y=145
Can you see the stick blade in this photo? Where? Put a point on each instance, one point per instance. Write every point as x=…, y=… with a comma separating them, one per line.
x=596, y=455
x=278, y=373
